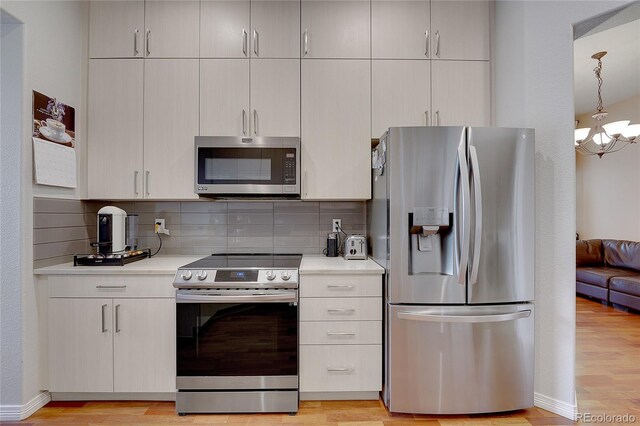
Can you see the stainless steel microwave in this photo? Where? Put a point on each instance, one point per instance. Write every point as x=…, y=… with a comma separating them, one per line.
x=227, y=166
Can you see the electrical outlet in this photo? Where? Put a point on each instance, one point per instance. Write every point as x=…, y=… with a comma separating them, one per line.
x=159, y=227
x=336, y=225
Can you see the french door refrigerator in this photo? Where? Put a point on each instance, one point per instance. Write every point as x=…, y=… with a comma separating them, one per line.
x=452, y=222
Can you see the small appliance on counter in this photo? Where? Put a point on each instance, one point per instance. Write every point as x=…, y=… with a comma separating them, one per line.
x=332, y=245
x=117, y=240
x=355, y=247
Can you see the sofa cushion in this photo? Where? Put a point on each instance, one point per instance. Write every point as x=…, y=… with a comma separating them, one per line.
x=628, y=285
x=589, y=252
x=600, y=275
x=622, y=254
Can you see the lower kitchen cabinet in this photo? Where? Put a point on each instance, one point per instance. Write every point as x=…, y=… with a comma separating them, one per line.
x=99, y=342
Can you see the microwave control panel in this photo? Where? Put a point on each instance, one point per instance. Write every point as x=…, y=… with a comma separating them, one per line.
x=290, y=165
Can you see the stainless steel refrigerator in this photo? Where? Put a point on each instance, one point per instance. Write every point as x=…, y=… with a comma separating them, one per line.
x=452, y=221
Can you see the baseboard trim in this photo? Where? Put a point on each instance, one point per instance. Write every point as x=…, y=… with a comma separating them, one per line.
x=13, y=413
x=339, y=396
x=113, y=396
x=570, y=411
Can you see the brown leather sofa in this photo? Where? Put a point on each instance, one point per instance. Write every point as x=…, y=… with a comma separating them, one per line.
x=609, y=270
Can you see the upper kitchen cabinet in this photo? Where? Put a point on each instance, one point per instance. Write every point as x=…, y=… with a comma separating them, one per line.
x=400, y=29
x=461, y=93
x=116, y=29
x=224, y=28
x=460, y=30
x=336, y=129
x=336, y=29
x=171, y=121
x=137, y=29
x=172, y=29
x=256, y=29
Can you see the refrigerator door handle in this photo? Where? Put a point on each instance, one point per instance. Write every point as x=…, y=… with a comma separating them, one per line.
x=429, y=316
x=466, y=219
x=477, y=190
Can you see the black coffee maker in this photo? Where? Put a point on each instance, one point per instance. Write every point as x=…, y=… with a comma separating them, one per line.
x=332, y=245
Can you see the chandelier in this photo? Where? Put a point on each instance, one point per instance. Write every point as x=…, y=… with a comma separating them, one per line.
x=604, y=138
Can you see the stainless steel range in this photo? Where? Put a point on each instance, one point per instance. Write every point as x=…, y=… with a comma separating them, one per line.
x=237, y=334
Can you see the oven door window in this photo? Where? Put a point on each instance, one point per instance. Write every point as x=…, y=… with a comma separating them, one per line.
x=249, y=339
x=245, y=166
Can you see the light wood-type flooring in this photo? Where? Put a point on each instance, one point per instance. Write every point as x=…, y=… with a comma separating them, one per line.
x=608, y=381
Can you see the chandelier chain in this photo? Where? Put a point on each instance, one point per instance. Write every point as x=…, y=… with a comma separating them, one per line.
x=598, y=70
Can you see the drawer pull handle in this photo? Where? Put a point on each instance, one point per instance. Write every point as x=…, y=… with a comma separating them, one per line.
x=339, y=286
x=104, y=327
x=341, y=369
x=340, y=333
x=111, y=286
x=344, y=311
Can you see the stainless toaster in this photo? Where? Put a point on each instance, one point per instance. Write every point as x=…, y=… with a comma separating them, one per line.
x=355, y=247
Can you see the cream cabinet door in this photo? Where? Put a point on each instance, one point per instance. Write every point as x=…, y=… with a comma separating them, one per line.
x=116, y=29
x=80, y=345
x=275, y=28
x=275, y=97
x=400, y=94
x=460, y=30
x=335, y=29
x=461, y=93
x=144, y=345
x=170, y=124
x=336, y=129
x=172, y=29
x=224, y=28
x=115, y=116
x=400, y=29
x=224, y=97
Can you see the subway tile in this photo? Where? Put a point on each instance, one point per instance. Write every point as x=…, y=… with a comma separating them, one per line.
x=252, y=218
x=297, y=242
x=298, y=250
x=308, y=218
x=53, y=235
x=157, y=207
x=202, y=207
x=202, y=251
x=204, y=218
x=296, y=207
x=127, y=206
x=148, y=219
x=92, y=206
x=54, y=205
x=153, y=242
x=251, y=242
x=203, y=230
x=43, y=251
x=296, y=230
x=43, y=263
x=58, y=220
x=258, y=206
x=203, y=242
x=250, y=231
x=342, y=207
x=149, y=230
x=347, y=219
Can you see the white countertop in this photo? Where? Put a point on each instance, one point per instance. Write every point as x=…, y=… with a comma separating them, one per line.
x=155, y=265
x=319, y=264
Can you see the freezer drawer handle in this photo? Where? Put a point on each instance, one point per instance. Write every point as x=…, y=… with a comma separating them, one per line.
x=431, y=317
x=340, y=369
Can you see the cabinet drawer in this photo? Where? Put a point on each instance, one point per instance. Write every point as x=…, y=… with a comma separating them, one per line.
x=341, y=333
x=340, y=309
x=110, y=286
x=330, y=368
x=340, y=285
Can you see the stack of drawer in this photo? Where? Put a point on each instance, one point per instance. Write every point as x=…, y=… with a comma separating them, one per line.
x=340, y=333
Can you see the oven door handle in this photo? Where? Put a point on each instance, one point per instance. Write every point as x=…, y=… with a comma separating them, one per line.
x=237, y=298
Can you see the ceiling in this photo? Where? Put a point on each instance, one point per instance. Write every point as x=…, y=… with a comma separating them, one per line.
x=620, y=67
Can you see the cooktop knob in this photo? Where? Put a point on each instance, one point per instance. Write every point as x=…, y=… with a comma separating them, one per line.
x=186, y=275
x=271, y=275
x=202, y=275
x=286, y=275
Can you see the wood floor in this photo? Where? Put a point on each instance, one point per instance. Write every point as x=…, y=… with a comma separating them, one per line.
x=608, y=381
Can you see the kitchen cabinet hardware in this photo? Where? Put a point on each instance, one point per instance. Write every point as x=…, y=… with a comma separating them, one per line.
x=256, y=47
x=135, y=42
x=342, y=311
x=438, y=43
x=340, y=369
x=437, y=120
x=426, y=117
x=244, y=42
x=339, y=286
x=135, y=182
x=148, y=42
x=104, y=326
x=146, y=182
x=118, y=318
x=306, y=42
x=244, y=122
x=255, y=122
x=340, y=333
x=112, y=286
x=305, y=183
x=426, y=43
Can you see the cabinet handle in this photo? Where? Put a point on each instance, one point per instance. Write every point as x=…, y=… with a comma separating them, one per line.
x=341, y=369
x=244, y=42
x=244, y=122
x=112, y=286
x=148, y=42
x=438, y=43
x=426, y=43
x=305, y=184
x=118, y=318
x=343, y=311
x=340, y=333
x=256, y=41
x=135, y=42
x=339, y=286
x=104, y=326
x=437, y=123
x=255, y=122
x=306, y=42
x=135, y=182
x=146, y=182
x=426, y=117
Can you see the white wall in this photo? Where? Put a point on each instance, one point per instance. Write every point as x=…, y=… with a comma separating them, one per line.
x=608, y=188
x=533, y=80
x=55, y=63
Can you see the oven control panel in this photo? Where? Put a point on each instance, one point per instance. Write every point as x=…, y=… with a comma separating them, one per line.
x=236, y=278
